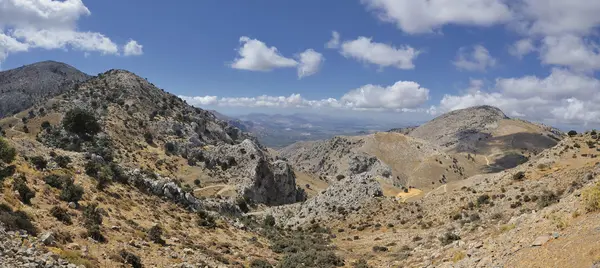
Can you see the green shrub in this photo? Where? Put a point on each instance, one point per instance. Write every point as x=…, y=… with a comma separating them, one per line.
x=519, y=176
x=361, y=263
x=81, y=122
x=170, y=148
x=104, y=177
x=61, y=214
x=131, y=259
x=71, y=192
x=46, y=125
x=17, y=220
x=242, y=204
x=149, y=138
x=7, y=152
x=92, y=221
x=155, y=235
x=55, y=181
x=572, y=133
x=25, y=193
x=206, y=220
x=62, y=161
x=197, y=182
x=269, y=221
x=39, y=162
x=547, y=198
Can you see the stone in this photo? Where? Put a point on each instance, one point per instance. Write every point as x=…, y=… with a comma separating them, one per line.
x=47, y=238
x=540, y=241
x=73, y=246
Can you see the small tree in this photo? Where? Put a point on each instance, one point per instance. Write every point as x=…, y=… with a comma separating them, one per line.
x=61, y=214
x=269, y=221
x=62, y=161
x=39, y=162
x=572, y=133
x=92, y=221
x=25, y=193
x=149, y=138
x=155, y=235
x=71, y=192
x=81, y=122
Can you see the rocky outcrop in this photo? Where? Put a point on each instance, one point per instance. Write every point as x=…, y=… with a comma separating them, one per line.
x=339, y=199
x=250, y=168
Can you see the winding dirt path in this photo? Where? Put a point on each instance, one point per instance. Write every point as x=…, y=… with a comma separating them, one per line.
x=445, y=186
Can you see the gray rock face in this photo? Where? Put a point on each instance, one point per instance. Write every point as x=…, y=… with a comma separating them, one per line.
x=23, y=87
x=257, y=177
x=459, y=127
x=339, y=199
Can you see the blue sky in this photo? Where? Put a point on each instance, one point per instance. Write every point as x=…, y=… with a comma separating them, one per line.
x=190, y=48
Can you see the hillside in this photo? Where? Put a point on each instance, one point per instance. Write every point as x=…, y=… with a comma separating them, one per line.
x=141, y=158
x=23, y=87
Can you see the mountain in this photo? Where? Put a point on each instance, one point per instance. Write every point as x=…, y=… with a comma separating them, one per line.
x=451, y=147
x=23, y=87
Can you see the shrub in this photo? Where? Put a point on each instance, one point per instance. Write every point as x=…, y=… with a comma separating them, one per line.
x=71, y=192
x=269, y=221
x=81, y=122
x=17, y=220
x=572, y=133
x=206, y=220
x=149, y=138
x=55, y=181
x=260, y=263
x=483, y=199
x=170, y=148
x=39, y=162
x=591, y=198
x=104, y=177
x=92, y=221
x=92, y=168
x=62, y=161
x=25, y=193
x=361, y=263
x=155, y=234
x=7, y=155
x=519, y=176
x=242, y=204
x=61, y=214
x=340, y=177
x=448, y=238
x=379, y=249
x=46, y=125
x=547, y=198
x=197, y=182
x=131, y=259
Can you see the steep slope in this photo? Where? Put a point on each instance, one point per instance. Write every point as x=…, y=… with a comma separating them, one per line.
x=23, y=87
x=114, y=157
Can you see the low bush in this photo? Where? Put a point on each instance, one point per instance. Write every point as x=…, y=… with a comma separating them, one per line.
x=131, y=259
x=16, y=220
x=62, y=161
x=25, y=193
x=92, y=221
x=269, y=221
x=71, y=192
x=206, y=220
x=547, y=198
x=55, y=181
x=38, y=162
x=61, y=214
x=260, y=263
x=155, y=235
x=448, y=238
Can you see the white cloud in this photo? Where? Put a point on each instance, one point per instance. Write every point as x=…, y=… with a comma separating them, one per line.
x=132, y=48
x=310, y=62
x=476, y=59
x=8, y=45
x=561, y=97
x=416, y=16
x=48, y=25
x=522, y=47
x=558, y=17
x=572, y=51
x=383, y=55
x=402, y=96
x=334, y=42
x=256, y=56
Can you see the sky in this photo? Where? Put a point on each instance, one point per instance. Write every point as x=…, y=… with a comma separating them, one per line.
x=408, y=60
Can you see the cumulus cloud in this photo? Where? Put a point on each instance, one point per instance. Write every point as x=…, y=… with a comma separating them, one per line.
x=30, y=24
x=426, y=16
x=522, y=47
x=334, y=42
x=365, y=50
x=255, y=55
x=401, y=96
x=561, y=97
x=309, y=63
x=132, y=48
x=477, y=58
x=572, y=51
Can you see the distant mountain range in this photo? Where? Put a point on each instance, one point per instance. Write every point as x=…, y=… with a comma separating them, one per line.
x=278, y=130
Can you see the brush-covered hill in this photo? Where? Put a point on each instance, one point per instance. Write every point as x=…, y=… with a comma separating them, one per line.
x=116, y=172
x=23, y=87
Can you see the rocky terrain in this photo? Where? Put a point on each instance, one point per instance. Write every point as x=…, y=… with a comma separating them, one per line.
x=115, y=172
x=19, y=92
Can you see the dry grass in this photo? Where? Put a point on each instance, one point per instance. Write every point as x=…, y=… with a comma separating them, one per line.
x=591, y=198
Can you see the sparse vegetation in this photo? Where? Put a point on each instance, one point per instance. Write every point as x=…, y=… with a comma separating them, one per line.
x=591, y=198
x=16, y=220
x=206, y=220
x=61, y=214
x=448, y=238
x=155, y=234
x=39, y=162
x=92, y=221
x=26, y=194
x=71, y=192
x=131, y=259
